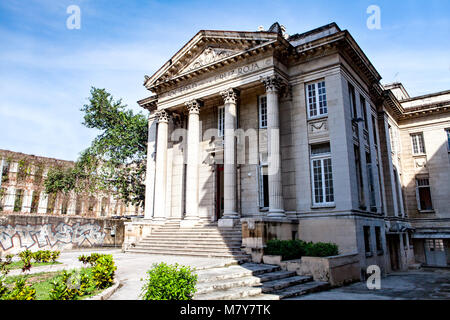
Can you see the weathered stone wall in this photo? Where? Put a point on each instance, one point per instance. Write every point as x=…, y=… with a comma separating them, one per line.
x=44, y=232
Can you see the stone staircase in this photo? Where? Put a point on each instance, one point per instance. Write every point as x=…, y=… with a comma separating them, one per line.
x=251, y=281
x=203, y=240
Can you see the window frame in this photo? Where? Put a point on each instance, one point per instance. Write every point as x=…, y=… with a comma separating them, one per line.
x=317, y=99
x=421, y=150
x=367, y=240
x=447, y=131
x=321, y=158
x=352, y=99
x=261, y=113
x=419, y=206
x=261, y=190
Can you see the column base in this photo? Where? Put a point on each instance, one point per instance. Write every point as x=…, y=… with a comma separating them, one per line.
x=228, y=222
x=158, y=220
x=276, y=213
x=189, y=222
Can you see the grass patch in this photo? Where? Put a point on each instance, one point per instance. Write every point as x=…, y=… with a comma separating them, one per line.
x=19, y=264
x=42, y=283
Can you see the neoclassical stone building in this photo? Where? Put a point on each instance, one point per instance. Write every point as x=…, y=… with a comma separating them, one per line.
x=285, y=137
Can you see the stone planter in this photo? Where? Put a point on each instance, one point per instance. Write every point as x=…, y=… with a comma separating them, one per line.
x=337, y=270
x=272, y=260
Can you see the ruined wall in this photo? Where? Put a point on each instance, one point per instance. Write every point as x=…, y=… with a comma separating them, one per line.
x=45, y=232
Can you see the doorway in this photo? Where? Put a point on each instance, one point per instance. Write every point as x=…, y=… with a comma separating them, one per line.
x=435, y=252
x=393, y=242
x=219, y=191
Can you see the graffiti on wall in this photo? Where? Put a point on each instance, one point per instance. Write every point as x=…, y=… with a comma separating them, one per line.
x=49, y=235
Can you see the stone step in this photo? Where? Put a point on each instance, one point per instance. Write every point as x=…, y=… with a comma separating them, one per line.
x=280, y=284
x=230, y=294
x=291, y=292
x=184, y=238
x=188, y=245
x=234, y=272
x=236, y=256
x=188, y=249
x=206, y=287
x=191, y=241
x=190, y=234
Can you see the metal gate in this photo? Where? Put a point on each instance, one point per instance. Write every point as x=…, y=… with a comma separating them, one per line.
x=435, y=252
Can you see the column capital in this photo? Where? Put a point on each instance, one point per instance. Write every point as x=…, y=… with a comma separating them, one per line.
x=272, y=83
x=230, y=95
x=194, y=106
x=163, y=116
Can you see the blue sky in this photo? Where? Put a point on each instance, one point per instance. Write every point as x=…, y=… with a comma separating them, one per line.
x=46, y=70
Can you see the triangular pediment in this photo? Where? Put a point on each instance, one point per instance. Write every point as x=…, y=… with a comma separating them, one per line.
x=209, y=48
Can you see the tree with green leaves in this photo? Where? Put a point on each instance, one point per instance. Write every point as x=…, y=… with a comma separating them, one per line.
x=116, y=160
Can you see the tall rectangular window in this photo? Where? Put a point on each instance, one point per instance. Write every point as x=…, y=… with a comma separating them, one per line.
x=35, y=202
x=322, y=175
x=316, y=96
x=262, y=102
x=359, y=179
x=364, y=110
x=448, y=138
x=367, y=245
x=5, y=171
x=373, y=206
x=351, y=95
x=418, y=145
x=221, y=121
x=378, y=239
x=263, y=186
x=18, y=200
x=374, y=130
x=423, y=194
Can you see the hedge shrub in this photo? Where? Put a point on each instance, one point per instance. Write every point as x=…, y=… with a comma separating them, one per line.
x=295, y=249
x=169, y=282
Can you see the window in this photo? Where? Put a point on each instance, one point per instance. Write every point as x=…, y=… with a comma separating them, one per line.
x=316, y=99
x=359, y=178
x=262, y=102
x=418, y=143
x=423, y=194
x=378, y=239
x=5, y=171
x=263, y=186
x=448, y=138
x=367, y=245
x=374, y=129
x=434, y=244
x=322, y=175
x=51, y=203
x=392, y=138
x=364, y=110
x=373, y=205
x=35, y=202
x=2, y=197
x=221, y=121
x=18, y=200
x=351, y=95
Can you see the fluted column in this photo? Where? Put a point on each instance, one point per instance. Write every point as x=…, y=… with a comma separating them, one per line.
x=230, y=214
x=151, y=164
x=161, y=167
x=193, y=138
x=276, y=202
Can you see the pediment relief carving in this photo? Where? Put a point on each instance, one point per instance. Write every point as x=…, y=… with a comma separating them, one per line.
x=208, y=56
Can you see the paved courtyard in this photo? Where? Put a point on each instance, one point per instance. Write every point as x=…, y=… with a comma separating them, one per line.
x=132, y=267
x=397, y=286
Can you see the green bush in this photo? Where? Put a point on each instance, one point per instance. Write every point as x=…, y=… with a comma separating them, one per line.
x=21, y=291
x=45, y=256
x=71, y=286
x=26, y=256
x=103, y=272
x=55, y=255
x=169, y=282
x=90, y=259
x=295, y=249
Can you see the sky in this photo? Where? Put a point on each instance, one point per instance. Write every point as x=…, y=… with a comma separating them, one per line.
x=47, y=69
